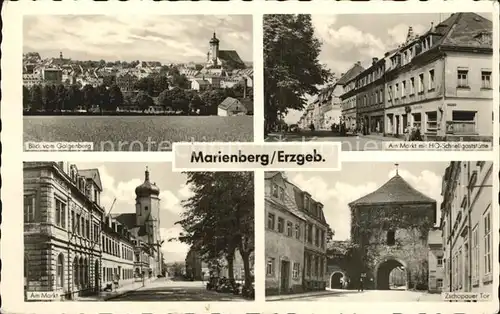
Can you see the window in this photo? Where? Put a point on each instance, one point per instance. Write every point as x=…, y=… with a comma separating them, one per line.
x=439, y=283
x=463, y=122
x=275, y=190
x=421, y=83
x=29, y=208
x=486, y=79
x=270, y=267
x=60, y=213
x=296, y=270
x=60, y=271
x=412, y=86
x=289, y=229
x=403, y=89
x=487, y=242
x=396, y=91
x=308, y=269
x=431, y=79
x=462, y=78
x=475, y=255
x=322, y=238
x=297, y=231
x=281, y=225
x=431, y=125
x=389, y=92
x=282, y=194
x=310, y=233
x=78, y=224
x=440, y=261
x=270, y=221
x=391, y=237
x=417, y=120
x=146, y=208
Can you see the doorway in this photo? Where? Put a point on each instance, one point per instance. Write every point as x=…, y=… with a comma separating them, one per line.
x=285, y=275
x=336, y=280
x=96, y=276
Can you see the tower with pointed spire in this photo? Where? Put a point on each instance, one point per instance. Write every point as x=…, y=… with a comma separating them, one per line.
x=213, y=52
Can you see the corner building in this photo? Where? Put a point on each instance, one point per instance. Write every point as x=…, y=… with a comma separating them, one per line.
x=72, y=245
x=296, y=233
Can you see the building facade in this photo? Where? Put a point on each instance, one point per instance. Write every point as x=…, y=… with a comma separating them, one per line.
x=440, y=82
x=296, y=232
x=348, y=96
x=390, y=226
x=71, y=246
x=436, y=255
x=467, y=227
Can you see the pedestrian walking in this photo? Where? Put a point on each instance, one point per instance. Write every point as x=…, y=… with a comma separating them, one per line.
x=361, y=286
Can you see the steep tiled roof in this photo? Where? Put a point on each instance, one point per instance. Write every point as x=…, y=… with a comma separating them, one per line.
x=229, y=102
x=128, y=219
x=465, y=29
x=92, y=174
x=396, y=190
x=231, y=59
x=352, y=73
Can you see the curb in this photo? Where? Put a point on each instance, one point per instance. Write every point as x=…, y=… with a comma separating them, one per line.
x=291, y=297
x=124, y=292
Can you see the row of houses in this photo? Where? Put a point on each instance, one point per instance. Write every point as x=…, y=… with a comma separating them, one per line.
x=439, y=82
x=296, y=236
x=73, y=245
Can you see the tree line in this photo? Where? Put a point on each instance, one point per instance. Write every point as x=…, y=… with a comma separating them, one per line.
x=149, y=91
x=219, y=218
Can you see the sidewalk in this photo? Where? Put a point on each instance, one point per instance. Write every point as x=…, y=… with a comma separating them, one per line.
x=108, y=295
x=381, y=138
x=300, y=295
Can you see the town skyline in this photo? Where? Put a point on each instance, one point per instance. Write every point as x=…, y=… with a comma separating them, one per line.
x=337, y=189
x=347, y=39
x=113, y=38
x=120, y=181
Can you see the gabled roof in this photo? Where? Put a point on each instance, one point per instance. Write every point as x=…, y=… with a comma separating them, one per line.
x=462, y=30
x=92, y=174
x=352, y=73
x=128, y=219
x=231, y=59
x=229, y=102
x=397, y=191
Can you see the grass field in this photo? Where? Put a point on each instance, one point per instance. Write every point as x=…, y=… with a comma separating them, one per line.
x=139, y=133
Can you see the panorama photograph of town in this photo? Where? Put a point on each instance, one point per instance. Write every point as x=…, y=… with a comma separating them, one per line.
x=383, y=77
x=119, y=231
x=385, y=233
x=125, y=86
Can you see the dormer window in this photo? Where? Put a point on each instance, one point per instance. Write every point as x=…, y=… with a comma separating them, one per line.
x=282, y=193
x=274, y=191
x=484, y=38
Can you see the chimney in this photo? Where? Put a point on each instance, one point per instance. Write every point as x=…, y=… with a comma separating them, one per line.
x=374, y=60
x=387, y=54
x=358, y=63
x=342, y=74
x=432, y=26
x=244, y=88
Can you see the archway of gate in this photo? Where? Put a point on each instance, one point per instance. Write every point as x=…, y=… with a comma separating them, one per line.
x=391, y=274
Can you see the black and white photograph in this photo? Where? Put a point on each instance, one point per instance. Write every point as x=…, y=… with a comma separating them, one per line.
x=121, y=231
x=136, y=83
x=365, y=80
x=380, y=232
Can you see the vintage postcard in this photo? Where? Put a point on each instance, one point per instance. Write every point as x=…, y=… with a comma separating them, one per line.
x=136, y=232
x=102, y=83
x=372, y=81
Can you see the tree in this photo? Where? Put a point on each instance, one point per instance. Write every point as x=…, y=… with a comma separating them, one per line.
x=146, y=84
x=102, y=97
x=291, y=66
x=73, y=98
x=165, y=100
x=196, y=104
x=160, y=83
x=212, y=99
x=219, y=217
x=180, y=101
x=115, y=97
x=49, y=97
x=26, y=98
x=60, y=96
x=144, y=101
x=181, y=81
x=36, y=98
x=89, y=96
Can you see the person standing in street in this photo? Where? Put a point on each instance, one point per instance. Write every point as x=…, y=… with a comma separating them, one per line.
x=361, y=284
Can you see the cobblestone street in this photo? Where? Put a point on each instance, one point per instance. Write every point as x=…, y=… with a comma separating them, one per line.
x=365, y=296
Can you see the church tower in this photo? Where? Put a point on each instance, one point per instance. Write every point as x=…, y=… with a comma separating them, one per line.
x=147, y=209
x=214, y=50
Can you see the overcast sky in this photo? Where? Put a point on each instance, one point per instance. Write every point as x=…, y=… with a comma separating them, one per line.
x=337, y=189
x=163, y=38
x=120, y=180
x=350, y=38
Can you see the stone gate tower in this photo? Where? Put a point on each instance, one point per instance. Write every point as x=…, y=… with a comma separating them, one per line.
x=147, y=209
x=390, y=227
